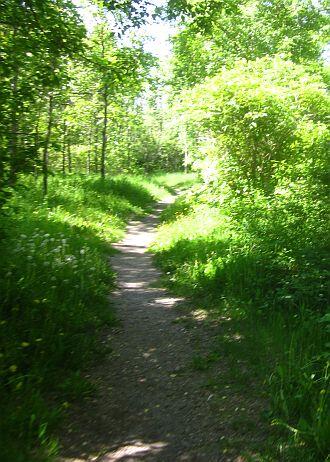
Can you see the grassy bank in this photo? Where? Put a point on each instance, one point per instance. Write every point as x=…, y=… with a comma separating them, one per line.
x=258, y=267
x=55, y=278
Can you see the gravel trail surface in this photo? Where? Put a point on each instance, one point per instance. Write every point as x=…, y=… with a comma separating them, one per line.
x=151, y=404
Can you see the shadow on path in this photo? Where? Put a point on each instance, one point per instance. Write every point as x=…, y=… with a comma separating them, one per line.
x=151, y=405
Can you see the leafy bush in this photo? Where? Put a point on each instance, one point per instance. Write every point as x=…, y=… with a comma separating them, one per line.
x=254, y=119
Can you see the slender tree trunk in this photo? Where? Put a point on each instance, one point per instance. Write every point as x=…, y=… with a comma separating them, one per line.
x=90, y=145
x=129, y=144
x=88, y=164
x=104, y=130
x=63, y=148
x=46, y=147
x=69, y=155
x=13, y=143
x=254, y=164
x=185, y=146
x=96, y=164
x=160, y=147
x=36, y=145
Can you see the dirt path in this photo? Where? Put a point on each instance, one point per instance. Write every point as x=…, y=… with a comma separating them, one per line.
x=151, y=405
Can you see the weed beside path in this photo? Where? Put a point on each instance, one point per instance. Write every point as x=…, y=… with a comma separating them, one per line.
x=265, y=294
x=55, y=280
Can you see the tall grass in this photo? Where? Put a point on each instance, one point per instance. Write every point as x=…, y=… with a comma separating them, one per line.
x=55, y=278
x=261, y=262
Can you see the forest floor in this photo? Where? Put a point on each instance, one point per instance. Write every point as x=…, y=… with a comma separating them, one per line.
x=160, y=394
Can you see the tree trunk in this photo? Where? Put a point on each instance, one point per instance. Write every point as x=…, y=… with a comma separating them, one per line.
x=63, y=148
x=46, y=147
x=13, y=143
x=185, y=144
x=96, y=164
x=104, y=130
x=129, y=146
x=90, y=144
x=36, y=146
x=254, y=164
x=69, y=155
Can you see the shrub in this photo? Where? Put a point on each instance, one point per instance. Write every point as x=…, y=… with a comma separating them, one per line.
x=254, y=119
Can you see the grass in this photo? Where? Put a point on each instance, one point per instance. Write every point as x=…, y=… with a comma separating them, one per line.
x=175, y=181
x=55, y=279
x=260, y=271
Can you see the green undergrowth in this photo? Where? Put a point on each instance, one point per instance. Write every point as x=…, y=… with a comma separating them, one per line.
x=258, y=265
x=55, y=278
x=174, y=182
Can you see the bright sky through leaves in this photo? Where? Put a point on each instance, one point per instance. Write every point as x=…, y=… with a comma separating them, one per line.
x=155, y=33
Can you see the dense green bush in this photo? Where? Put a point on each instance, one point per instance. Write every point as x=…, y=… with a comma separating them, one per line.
x=256, y=119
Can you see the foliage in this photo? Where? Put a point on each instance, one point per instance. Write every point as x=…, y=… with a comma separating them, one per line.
x=130, y=12
x=71, y=102
x=217, y=33
x=55, y=280
x=36, y=41
x=253, y=122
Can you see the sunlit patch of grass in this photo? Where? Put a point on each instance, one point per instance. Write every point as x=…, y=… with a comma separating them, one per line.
x=175, y=181
x=192, y=247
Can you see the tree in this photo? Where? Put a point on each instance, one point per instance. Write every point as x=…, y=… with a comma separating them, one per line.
x=217, y=33
x=120, y=74
x=37, y=37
